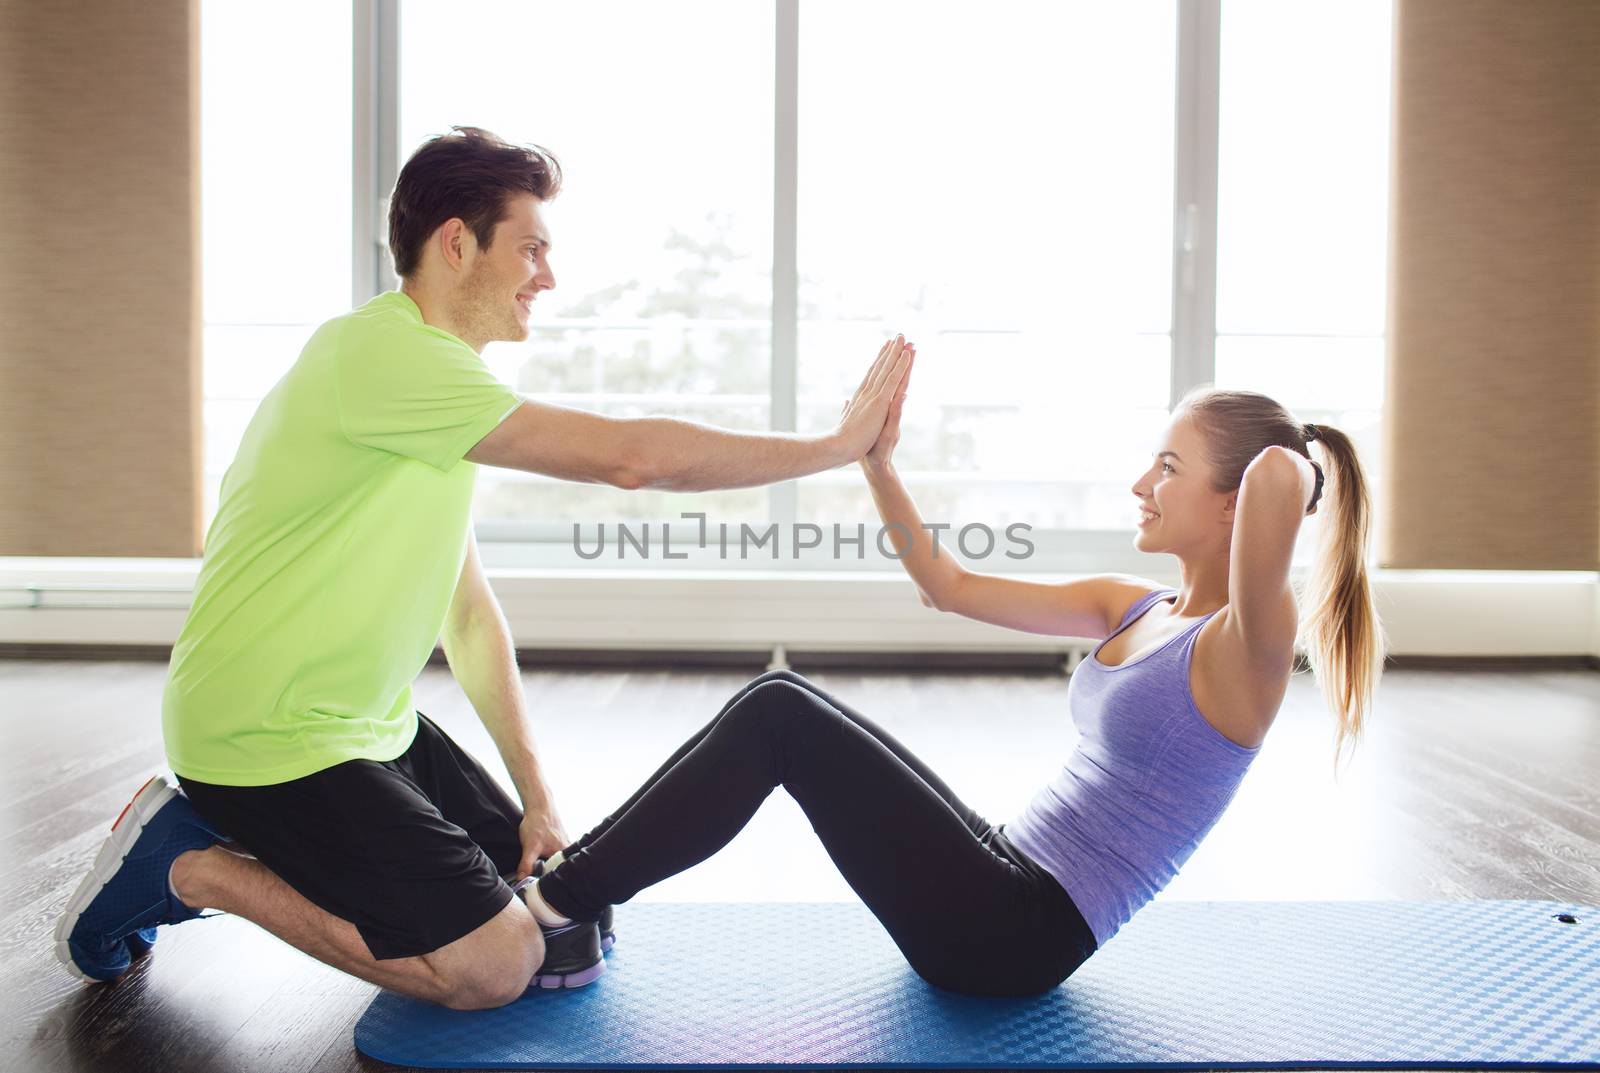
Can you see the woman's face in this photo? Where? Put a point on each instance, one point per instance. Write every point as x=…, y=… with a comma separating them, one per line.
x=1176, y=489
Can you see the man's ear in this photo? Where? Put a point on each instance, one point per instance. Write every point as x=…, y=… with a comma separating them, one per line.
x=457, y=244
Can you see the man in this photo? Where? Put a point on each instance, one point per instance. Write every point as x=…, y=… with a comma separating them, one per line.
x=341, y=551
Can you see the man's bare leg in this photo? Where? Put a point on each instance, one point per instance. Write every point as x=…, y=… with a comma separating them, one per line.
x=488, y=967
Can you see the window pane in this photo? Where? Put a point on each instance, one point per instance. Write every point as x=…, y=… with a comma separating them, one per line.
x=275, y=201
x=662, y=233
x=1003, y=198
x=1304, y=372
x=998, y=426
x=1303, y=167
x=1337, y=381
x=716, y=373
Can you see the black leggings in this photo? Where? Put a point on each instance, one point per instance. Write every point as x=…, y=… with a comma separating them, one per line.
x=969, y=911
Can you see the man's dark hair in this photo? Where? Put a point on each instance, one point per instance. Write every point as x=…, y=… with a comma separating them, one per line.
x=468, y=173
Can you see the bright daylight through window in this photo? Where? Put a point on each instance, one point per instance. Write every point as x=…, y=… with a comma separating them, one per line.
x=1001, y=189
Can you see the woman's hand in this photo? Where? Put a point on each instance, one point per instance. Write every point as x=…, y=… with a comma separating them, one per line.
x=864, y=413
x=878, y=457
x=1281, y=458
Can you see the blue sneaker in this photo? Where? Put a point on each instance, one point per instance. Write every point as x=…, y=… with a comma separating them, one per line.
x=139, y=942
x=125, y=895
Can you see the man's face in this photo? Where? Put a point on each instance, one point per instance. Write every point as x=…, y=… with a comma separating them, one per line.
x=506, y=278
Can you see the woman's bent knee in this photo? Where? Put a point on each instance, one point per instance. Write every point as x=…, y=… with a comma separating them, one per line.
x=784, y=675
x=767, y=705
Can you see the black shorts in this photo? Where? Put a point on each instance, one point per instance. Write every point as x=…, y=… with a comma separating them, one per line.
x=411, y=851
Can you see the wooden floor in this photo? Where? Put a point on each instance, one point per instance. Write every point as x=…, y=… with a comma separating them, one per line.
x=1472, y=784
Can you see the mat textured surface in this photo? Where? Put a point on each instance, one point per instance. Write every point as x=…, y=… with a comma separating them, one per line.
x=1220, y=984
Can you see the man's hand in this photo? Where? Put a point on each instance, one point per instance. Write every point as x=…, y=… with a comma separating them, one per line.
x=889, y=435
x=541, y=834
x=867, y=409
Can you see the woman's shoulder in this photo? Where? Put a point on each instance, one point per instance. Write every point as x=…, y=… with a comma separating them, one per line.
x=1128, y=592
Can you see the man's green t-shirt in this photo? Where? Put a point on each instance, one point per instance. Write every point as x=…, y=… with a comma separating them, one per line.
x=330, y=565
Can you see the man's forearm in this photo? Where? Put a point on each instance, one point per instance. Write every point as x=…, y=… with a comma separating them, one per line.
x=485, y=664
x=682, y=456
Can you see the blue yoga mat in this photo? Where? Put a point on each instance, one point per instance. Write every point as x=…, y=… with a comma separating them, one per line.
x=1219, y=984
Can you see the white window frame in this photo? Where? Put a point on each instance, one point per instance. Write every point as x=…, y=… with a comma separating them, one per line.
x=377, y=155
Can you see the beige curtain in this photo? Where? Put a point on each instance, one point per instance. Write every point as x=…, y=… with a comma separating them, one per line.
x=1492, y=415
x=99, y=217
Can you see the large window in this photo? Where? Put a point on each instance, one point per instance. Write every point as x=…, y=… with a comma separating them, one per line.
x=275, y=202
x=1303, y=167
x=998, y=184
x=661, y=116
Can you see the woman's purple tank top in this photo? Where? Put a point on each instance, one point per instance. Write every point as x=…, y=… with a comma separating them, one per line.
x=1148, y=778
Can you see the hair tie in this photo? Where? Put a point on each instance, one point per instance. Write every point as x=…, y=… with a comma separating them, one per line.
x=1309, y=431
x=1316, y=493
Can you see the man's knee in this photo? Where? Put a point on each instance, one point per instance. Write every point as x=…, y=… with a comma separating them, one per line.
x=491, y=965
x=499, y=979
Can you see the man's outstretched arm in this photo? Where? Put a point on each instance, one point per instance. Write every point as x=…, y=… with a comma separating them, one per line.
x=676, y=455
x=477, y=643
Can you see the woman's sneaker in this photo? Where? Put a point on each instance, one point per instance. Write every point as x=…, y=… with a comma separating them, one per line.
x=608, y=919
x=572, y=956
x=126, y=894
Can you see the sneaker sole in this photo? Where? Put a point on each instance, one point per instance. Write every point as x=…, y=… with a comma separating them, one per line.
x=581, y=978
x=125, y=831
x=606, y=943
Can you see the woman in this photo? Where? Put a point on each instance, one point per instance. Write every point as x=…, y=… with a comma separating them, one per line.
x=1171, y=709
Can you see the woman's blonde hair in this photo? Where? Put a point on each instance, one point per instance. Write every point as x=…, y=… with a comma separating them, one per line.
x=1341, y=634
